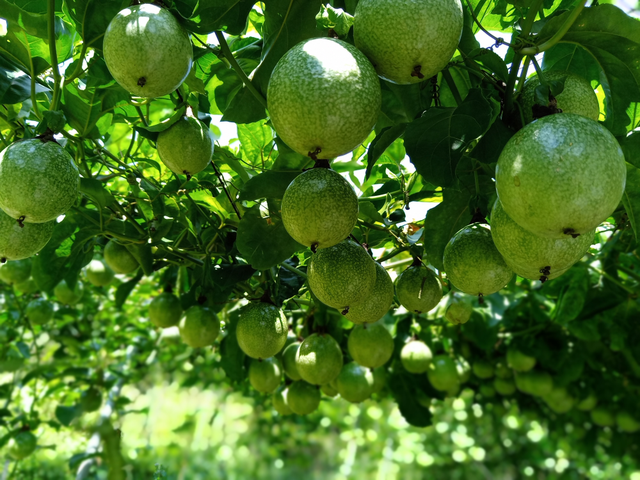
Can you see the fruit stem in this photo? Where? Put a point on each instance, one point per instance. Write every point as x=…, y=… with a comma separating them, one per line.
x=286, y=266
x=392, y=254
x=53, y=54
x=399, y=263
x=475, y=19
x=612, y=279
x=226, y=52
x=571, y=18
x=78, y=70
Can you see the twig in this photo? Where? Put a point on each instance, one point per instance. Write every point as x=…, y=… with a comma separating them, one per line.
x=286, y=266
x=224, y=187
x=53, y=54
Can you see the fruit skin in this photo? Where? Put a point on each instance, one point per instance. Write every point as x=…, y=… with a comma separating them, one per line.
x=464, y=370
x=22, y=445
x=504, y=386
x=561, y=173
x=379, y=379
x=16, y=271
x=165, y=310
x=289, y=361
x=265, y=375
x=280, y=403
x=379, y=301
x=200, y=327
x=342, y=275
x=262, y=330
x=99, y=273
x=419, y=289
x=425, y=33
x=443, y=373
x=65, y=295
x=416, y=356
x=527, y=254
x=303, y=398
x=319, y=208
x=119, y=258
x=627, y=423
x=483, y=369
x=328, y=390
x=319, y=359
x=459, y=311
x=538, y=384
x=147, y=42
x=27, y=287
x=603, y=417
x=38, y=180
x=355, y=383
x=588, y=403
x=39, y=311
x=473, y=263
x=323, y=94
x=502, y=371
x=18, y=242
x=186, y=147
x=370, y=345
x=519, y=361
x=90, y=400
x=577, y=97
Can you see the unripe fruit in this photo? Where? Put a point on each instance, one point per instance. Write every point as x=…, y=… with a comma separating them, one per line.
x=303, y=398
x=265, y=375
x=419, y=289
x=534, y=383
x=279, y=399
x=186, y=147
x=483, y=369
x=379, y=301
x=319, y=208
x=90, y=400
x=504, y=386
x=355, y=383
x=147, y=51
x=39, y=311
x=319, y=359
x=370, y=345
x=519, y=361
x=99, y=273
x=27, y=287
x=502, y=371
x=602, y=417
x=588, y=403
x=627, y=423
x=559, y=400
x=262, y=330
x=119, y=258
x=165, y=310
x=289, y=361
x=443, y=374
x=459, y=311
x=18, y=242
x=416, y=356
x=487, y=391
x=379, y=379
x=328, y=390
x=464, y=370
x=65, y=295
x=22, y=445
x=16, y=271
x=200, y=327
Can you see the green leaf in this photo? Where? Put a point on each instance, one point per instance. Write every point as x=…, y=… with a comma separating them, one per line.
x=144, y=256
x=436, y=141
x=334, y=18
x=125, y=289
x=269, y=184
x=491, y=144
x=378, y=145
x=92, y=17
x=264, y=242
x=65, y=415
x=96, y=191
x=402, y=388
x=33, y=24
x=205, y=16
x=232, y=356
x=244, y=108
x=443, y=222
x=631, y=198
x=631, y=147
x=571, y=301
x=492, y=62
x=15, y=85
x=367, y=211
x=612, y=38
x=254, y=139
x=83, y=108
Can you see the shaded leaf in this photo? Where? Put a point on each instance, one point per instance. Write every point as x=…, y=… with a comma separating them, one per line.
x=402, y=388
x=631, y=198
x=269, y=184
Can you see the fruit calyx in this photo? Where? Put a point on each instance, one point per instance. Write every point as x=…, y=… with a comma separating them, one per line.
x=320, y=162
x=572, y=232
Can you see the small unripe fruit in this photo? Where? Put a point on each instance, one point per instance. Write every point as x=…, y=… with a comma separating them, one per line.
x=416, y=356
x=303, y=398
x=370, y=345
x=265, y=375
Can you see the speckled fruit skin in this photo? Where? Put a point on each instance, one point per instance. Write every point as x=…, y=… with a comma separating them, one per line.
x=443, y=374
x=262, y=330
x=562, y=174
x=473, y=263
x=186, y=147
x=378, y=303
x=319, y=208
x=355, y=383
x=67, y=296
x=342, y=275
x=265, y=375
x=146, y=44
x=303, y=398
x=370, y=345
x=418, y=288
x=99, y=273
x=416, y=356
x=279, y=400
x=39, y=311
x=504, y=386
x=519, y=361
x=200, y=327
x=16, y=271
x=527, y=254
x=22, y=445
x=319, y=359
x=38, y=181
x=323, y=95
x=534, y=383
x=459, y=311
x=425, y=33
x=165, y=310
x=119, y=258
x=603, y=417
x=577, y=97
x=289, y=361
x=18, y=242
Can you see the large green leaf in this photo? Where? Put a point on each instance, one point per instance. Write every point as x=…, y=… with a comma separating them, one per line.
x=205, y=16
x=33, y=23
x=269, y=184
x=436, y=141
x=403, y=389
x=92, y=17
x=631, y=198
